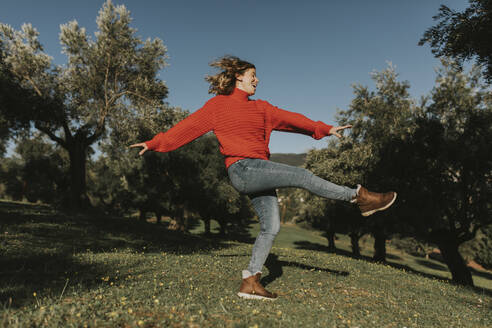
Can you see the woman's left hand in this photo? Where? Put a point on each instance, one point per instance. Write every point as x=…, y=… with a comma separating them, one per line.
x=334, y=130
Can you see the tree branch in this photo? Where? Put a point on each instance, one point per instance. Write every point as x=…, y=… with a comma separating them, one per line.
x=34, y=86
x=463, y=234
x=97, y=133
x=116, y=96
x=68, y=133
x=52, y=136
x=137, y=95
x=452, y=222
x=475, y=229
x=106, y=82
x=115, y=80
x=467, y=234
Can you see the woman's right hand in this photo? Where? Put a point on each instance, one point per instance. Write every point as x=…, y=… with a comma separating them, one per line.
x=141, y=144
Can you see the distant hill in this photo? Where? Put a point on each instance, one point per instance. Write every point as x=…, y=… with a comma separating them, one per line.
x=289, y=159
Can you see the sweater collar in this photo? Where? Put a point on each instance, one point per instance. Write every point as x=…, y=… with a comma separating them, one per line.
x=239, y=94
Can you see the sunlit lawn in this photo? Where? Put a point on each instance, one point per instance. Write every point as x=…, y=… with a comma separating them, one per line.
x=292, y=236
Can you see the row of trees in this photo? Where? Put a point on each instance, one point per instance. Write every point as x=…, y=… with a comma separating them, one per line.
x=436, y=154
x=190, y=182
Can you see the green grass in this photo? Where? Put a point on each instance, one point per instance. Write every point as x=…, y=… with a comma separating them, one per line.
x=60, y=271
x=292, y=236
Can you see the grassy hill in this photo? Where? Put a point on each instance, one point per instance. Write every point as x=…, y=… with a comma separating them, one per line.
x=63, y=271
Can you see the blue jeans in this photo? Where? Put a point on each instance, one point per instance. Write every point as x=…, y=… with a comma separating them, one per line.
x=258, y=179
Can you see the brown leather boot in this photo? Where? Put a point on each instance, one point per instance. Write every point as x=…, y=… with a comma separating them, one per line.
x=252, y=289
x=371, y=202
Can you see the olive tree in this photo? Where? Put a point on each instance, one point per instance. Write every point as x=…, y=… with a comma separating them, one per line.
x=463, y=35
x=103, y=75
x=377, y=118
x=444, y=169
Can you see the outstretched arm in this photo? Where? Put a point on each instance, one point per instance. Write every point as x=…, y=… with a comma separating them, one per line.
x=283, y=120
x=187, y=130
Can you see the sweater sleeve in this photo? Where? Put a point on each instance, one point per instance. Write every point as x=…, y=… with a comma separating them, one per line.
x=283, y=120
x=187, y=130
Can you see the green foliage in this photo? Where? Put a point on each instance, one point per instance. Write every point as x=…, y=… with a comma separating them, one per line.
x=411, y=245
x=138, y=182
x=16, y=105
x=104, y=80
x=448, y=172
x=381, y=115
x=445, y=183
x=377, y=117
x=434, y=155
x=37, y=173
x=12, y=179
x=211, y=193
x=479, y=249
x=4, y=123
x=463, y=35
x=483, y=246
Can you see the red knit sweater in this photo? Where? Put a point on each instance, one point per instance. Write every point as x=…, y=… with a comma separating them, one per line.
x=242, y=126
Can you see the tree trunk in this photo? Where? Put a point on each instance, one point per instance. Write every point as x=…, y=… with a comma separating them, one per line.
x=285, y=206
x=207, y=226
x=222, y=228
x=180, y=219
x=143, y=215
x=354, y=241
x=77, y=152
x=330, y=235
x=379, y=246
x=448, y=245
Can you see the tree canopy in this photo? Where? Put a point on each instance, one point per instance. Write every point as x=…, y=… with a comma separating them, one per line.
x=463, y=35
x=114, y=74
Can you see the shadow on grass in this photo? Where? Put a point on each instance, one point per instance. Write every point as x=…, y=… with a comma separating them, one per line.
x=321, y=248
x=39, y=248
x=275, y=269
x=45, y=274
x=239, y=235
x=431, y=265
x=486, y=275
x=307, y=245
x=393, y=257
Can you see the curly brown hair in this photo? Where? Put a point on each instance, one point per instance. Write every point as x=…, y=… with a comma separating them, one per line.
x=224, y=82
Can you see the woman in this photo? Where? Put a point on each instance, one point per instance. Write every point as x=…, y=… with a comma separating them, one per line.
x=243, y=128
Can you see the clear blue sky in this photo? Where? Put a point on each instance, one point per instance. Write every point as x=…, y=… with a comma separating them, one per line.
x=307, y=53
